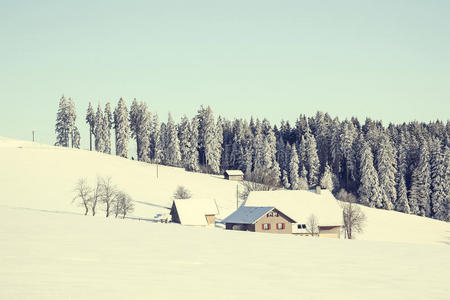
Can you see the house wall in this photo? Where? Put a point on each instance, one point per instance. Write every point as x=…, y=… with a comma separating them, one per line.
x=273, y=224
x=330, y=231
x=240, y=227
x=211, y=219
x=234, y=177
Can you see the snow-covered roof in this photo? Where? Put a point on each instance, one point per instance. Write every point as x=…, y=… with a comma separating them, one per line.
x=194, y=211
x=300, y=205
x=247, y=214
x=234, y=172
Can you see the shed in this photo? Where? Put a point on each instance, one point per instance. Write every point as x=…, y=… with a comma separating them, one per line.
x=259, y=219
x=300, y=205
x=196, y=212
x=236, y=175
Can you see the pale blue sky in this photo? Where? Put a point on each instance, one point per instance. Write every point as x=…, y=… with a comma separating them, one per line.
x=388, y=60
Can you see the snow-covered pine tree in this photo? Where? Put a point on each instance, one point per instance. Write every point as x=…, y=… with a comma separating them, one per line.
x=208, y=140
x=285, y=180
x=76, y=138
x=90, y=119
x=99, y=130
x=71, y=118
x=302, y=180
x=438, y=183
x=143, y=131
x=258, y=146
x=219, y=141
x=157, y=140
x=402, y=203
x=107, y=125
x=62, y=127
x=386, y=167
x=185, y=141
x=369, y=191
x=192, y=153
x=293, y=169
x=447, y=178
x=302, y=156
x=419, y=194
x=312, y=159
x=134, y=123
x=172, y=154
x=122, y=129
x=326, y=182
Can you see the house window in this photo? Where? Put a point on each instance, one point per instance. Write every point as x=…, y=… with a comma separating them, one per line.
x=301, y=226
x=280, y=226
x=266, y=226
x=275, y=214
x=270, y=214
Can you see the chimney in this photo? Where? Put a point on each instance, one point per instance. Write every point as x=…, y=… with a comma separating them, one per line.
x=318, y=189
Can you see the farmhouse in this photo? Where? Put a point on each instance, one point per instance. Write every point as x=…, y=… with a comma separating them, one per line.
x=259, y=219
x=236, y=175
x=196, y=212
x=299, y=206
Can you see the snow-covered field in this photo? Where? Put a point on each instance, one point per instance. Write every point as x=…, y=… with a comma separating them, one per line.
x=48, y=250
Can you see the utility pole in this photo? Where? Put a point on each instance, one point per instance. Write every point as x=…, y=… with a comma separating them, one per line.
x=237, y=196
x=33, y=135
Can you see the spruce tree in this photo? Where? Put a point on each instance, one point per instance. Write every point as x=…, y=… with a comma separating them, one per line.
x=209, y=141
x=326, y=182
x=192, y=153
x=386, y=166
x=369, y=191
x=122, y=129
x=438, y=182
x=157, y=140
x=293, y=169
x=402, y=203
x=90, y=119
x=302, y=180
x=419, y=194
x=76, y=138
x=312, y=159
x=134, y=123
x=62, y=127
x=173, y=155
x=99, y=130
x=107, y=125
x=184, y=138
x=71, y=118
x=143, y=131
x=285, y=180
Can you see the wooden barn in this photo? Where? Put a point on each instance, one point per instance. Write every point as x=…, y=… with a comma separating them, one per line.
x=236, y=175
x=195, y=212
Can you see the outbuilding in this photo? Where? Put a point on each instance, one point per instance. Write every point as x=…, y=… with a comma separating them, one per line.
x=236, y=175
x=194, y=212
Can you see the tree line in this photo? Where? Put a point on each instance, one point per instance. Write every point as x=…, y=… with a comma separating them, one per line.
x=400, y=166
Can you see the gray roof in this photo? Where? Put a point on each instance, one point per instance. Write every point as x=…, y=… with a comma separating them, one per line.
x=247, y=214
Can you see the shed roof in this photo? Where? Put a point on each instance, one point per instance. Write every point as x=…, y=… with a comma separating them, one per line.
x=234, y=172
x=193, y=211
x=300, y=205
x=247, y=214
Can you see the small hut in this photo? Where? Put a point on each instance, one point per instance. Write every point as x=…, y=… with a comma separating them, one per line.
x=236, y=175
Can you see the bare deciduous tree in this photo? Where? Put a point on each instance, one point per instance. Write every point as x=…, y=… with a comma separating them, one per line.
x=182, y=193
x=83, y=191
x=312, y=226
x=354, y=217
x=123, y=205
x=96, y=195
x=108, y=193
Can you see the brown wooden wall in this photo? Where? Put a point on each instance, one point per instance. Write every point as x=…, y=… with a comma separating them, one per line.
x=273, y=224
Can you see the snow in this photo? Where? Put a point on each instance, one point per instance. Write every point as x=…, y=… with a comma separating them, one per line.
x=300, y=205
x=49, y=250
x=247, y=214
x=194, y=211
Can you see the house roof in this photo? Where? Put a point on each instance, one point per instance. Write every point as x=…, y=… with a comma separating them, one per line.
x=193, y=211
x=234, y=172
x=247, y=214
x=300, y=205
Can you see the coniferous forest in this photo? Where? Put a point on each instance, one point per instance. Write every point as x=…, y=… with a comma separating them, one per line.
x=403, y=167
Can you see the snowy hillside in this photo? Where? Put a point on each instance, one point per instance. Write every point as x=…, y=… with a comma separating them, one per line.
x=43, y=177
x=48, y=250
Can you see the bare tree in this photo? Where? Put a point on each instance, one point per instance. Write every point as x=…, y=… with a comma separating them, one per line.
x=354, y=217
x=182, y=193
x=83, y=193
x=126, y=206
x=259, y=180
x=116, y=205
x=96, y=195
x=108, y=193
x=312, y=226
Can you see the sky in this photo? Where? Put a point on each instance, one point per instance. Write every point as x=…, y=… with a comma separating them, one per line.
x=387, y=60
